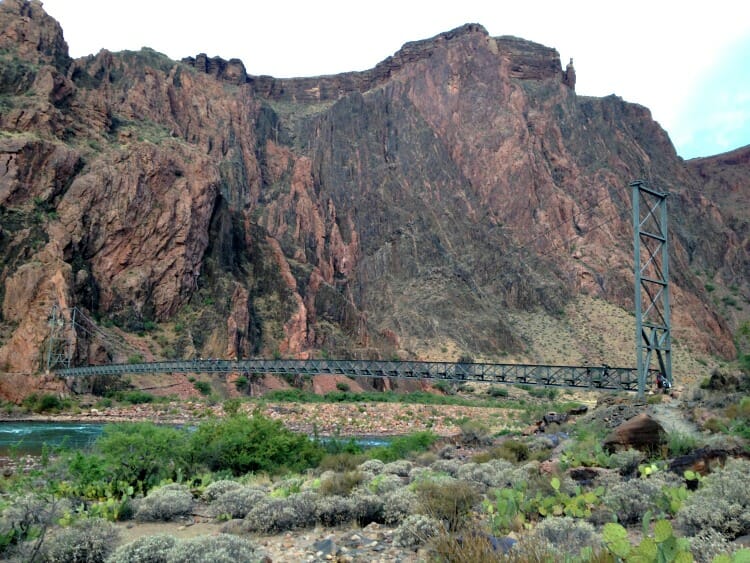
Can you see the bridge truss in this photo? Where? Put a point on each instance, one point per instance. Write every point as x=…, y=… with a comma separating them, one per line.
x=591, y=377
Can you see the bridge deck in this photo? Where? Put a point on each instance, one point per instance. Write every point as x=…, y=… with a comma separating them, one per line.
x=592, y=377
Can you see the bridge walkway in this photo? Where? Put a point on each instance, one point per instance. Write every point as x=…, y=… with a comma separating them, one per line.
x=590, y=377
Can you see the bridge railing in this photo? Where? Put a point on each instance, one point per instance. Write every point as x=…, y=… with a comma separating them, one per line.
x=594, y=377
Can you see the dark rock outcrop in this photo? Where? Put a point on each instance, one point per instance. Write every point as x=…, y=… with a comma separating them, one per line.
x=640, y=432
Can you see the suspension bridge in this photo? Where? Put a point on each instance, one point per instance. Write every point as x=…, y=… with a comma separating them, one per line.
x=67, y=326
x=652, y=337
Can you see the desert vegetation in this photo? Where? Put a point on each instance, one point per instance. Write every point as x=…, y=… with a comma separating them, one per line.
x=480, y=496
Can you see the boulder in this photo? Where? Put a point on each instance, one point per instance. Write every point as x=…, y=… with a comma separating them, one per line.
x=640, y=432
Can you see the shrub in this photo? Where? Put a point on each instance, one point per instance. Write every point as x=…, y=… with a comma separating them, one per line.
x=274, y=515
x=367, y=507
x=164, y=504
x=490, y=474
x=28, y=517
x=222, y=548
x=203, y=387
x=340, y=483
x=243, y=444
x=709, y=543
x=43, y=403
x=446, y=501
x=134, y=397
x=143, y=453
x=384, y=483
x=86, y=541
x=236, y=503
x=626, y=461
x=397, y=505
x=475, y=433
x=681, y=444
x=374, y=466
x=341, y=386
x=402, y=467
x=722, y=503
x=342, y=462
x=448, y=466
x=568, y=535
x=497, y=392
x=335, y=510
x=146, y=549
x=415, y=531
x=630, y=500
x=218, y=488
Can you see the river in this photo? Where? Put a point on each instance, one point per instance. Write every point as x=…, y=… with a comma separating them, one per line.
x=28, y=438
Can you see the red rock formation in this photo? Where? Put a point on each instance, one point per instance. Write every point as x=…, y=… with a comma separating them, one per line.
x=364, y=214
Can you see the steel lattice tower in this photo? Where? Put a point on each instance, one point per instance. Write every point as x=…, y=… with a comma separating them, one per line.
x=651, y=260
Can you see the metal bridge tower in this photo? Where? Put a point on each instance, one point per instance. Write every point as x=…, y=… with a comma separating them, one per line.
x=60, y=342
x=651, y=257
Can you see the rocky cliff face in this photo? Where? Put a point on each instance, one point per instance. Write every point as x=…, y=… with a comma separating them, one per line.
x=414, y=209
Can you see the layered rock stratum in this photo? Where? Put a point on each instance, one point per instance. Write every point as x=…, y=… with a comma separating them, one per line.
x=431, y=207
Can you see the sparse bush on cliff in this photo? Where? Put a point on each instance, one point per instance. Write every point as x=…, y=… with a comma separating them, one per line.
x=164, y=504
x=86, y=541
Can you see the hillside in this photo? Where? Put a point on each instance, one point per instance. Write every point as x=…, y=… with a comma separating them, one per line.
x=458, y=199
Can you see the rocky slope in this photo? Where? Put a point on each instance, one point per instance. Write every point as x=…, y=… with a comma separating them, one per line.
x=420, y=208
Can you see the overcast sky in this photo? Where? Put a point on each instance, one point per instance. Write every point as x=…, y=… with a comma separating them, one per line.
x=689, y=62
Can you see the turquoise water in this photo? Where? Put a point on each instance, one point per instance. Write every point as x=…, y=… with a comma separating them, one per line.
x=28, y=438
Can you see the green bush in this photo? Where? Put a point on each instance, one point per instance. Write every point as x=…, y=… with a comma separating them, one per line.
x=45, y=403
x=203, y=387
x=143, y=454
x=497, y=392
x=86, y=541
x=243, y=444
